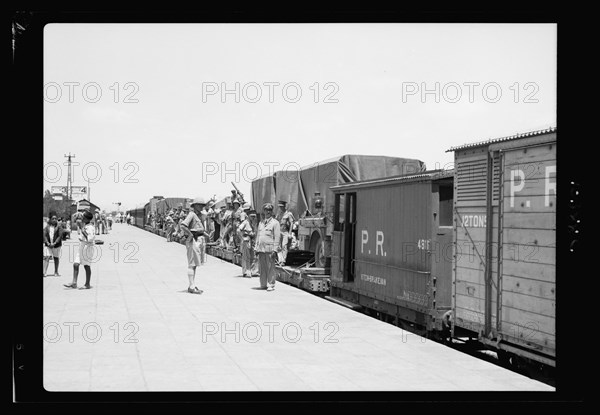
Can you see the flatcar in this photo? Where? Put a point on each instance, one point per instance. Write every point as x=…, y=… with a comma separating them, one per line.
x=504, y=276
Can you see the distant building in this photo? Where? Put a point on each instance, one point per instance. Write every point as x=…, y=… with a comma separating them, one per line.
x=84, y=204
x=77, y=192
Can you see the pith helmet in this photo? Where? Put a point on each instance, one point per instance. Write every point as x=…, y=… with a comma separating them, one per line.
x=198, y=201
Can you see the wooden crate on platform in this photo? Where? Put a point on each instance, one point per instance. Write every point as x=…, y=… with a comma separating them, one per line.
x=315, y=280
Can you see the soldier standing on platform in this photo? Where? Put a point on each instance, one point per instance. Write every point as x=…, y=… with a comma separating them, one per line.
x=252, y=217
x=207, y=215
x=226, y=224
x=267, y=244
x=247, y=232
x=193, y=230
x=286, y=221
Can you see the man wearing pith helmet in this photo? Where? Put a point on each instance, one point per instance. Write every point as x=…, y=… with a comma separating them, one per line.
x=207, y=220
x=238, y=211
x=267, y=242
x=286, y=220
x=226, y=224
x=194, y=230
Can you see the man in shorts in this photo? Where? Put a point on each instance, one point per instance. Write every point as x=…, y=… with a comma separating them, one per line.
x=85, y=254
x=193, y=231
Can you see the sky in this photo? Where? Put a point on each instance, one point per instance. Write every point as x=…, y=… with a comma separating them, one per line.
x=150, y=109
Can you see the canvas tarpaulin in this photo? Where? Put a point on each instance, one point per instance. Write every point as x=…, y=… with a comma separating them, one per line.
x=262, y=191
x=298, y=188
x=164, y=205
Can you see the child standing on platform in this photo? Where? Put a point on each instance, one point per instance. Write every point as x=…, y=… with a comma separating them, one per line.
x=85, y=254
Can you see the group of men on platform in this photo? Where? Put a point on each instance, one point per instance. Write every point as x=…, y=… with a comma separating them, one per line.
x=263, y=243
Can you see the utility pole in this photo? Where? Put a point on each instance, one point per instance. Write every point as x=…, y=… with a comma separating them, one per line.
x=69, y=180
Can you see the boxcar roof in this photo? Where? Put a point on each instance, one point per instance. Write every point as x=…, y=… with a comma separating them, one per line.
x=502, y=139
x=406, y=178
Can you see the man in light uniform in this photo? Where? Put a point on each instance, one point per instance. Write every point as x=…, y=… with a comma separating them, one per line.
x=220, y=229
x=245, y=208
x=286, y=221
x=266, y=245
x=226, y=224
x=193, y=231
x=247, y=232
x=238, y=211
x=207, y=219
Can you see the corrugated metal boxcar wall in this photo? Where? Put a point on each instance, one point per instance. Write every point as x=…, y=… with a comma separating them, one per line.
x=473, y=166
x=390, y=261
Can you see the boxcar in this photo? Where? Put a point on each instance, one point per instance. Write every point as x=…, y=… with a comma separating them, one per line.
x=504, y=290
x=392, y=248
x=138, y=215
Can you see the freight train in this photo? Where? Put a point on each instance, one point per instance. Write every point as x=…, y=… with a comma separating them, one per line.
x=467, y=253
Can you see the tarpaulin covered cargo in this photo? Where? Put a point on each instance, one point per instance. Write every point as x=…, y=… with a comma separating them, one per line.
x=298, y=187
x=262, y=191
x=164, y=205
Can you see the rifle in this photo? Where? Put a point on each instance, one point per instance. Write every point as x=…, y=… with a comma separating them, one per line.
x=239, y=193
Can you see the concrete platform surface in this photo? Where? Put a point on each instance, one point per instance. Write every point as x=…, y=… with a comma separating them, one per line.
x=138, y=329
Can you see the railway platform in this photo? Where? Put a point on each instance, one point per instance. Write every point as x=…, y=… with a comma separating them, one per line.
x=138, y=329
